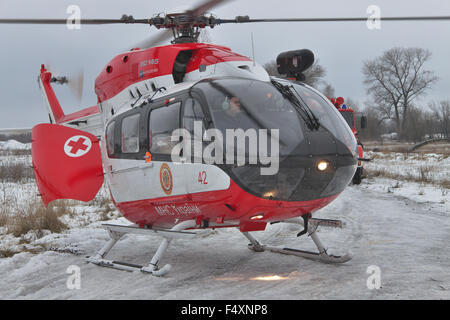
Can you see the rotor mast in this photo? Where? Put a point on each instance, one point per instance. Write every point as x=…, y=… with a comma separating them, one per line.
x=185, y=26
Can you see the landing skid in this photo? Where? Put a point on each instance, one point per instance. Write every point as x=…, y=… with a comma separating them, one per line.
x=321, y=256
x=116, y=232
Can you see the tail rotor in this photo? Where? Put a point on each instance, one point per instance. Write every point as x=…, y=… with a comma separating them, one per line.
x=74, y=82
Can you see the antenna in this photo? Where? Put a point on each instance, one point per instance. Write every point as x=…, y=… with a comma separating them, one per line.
x=253, y=51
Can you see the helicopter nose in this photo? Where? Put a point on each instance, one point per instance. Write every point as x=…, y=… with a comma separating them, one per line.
x=320, y=175
x=330, y=174
x=300, y=178
x=321, y=166
x=331, y=166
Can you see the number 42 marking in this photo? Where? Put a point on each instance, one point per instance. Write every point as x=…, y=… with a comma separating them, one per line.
x=202, y=177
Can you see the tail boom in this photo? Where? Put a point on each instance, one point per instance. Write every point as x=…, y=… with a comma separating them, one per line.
x=88, y=119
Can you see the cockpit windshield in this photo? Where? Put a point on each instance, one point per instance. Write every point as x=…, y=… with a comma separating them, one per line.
x=327, y=115
x=251, y=104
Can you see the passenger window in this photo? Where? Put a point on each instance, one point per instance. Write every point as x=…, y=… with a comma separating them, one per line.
x=110, y=138
x=130, y=134
x=163, y=121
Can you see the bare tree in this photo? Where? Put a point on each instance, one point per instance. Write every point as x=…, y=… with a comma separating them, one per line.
x=417, y=128
x=396, y=79
x=441, y=112
x=329, y=91
x=355, y=105
x=374, y=127
x=272, y=68
x=313, y=74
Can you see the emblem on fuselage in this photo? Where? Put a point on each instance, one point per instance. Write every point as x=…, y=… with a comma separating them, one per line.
x=165, y=177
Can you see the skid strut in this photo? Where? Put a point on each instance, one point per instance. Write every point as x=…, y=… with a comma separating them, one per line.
x=117, y=231
x=321, y=256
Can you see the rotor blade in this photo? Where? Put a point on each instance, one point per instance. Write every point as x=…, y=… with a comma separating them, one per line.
x=164, y=35
x=246, y=19
x=205, y=6
x=125, y=19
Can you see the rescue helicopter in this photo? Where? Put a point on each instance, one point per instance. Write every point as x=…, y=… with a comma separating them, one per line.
x=126, y=140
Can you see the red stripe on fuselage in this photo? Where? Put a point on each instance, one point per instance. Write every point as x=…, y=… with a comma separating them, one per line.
x=231, y=204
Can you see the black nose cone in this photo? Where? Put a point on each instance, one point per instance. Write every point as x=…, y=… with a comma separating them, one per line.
x=322, y=165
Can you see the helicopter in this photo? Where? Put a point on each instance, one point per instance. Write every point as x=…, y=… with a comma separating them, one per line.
x=160, y=133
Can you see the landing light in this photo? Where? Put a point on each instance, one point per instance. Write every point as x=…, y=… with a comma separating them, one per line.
x=269, y=278
x=322, y=165
x=259, y=278
x=269, y=194
x=257, y=217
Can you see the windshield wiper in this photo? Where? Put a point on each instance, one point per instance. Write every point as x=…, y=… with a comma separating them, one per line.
x=302, y=108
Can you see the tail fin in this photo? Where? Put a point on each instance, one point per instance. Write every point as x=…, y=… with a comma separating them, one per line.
x=67, y=163
x=88, y=119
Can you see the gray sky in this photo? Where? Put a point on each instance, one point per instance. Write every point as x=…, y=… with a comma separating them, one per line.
x=341, y=47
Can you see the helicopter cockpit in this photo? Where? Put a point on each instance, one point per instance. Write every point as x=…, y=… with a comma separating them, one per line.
x=309, y=128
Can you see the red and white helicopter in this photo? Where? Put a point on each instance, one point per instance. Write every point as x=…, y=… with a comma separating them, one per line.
x=144, y=95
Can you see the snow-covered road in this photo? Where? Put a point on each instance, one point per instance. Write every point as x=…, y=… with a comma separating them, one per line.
x=409, y=241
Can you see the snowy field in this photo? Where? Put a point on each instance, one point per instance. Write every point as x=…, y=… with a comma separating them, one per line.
x=402, y=226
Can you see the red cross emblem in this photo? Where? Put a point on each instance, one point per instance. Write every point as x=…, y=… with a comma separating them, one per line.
x=77, y=146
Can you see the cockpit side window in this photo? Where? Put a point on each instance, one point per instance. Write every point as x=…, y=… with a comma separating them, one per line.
x=192, y=113
x=110, y=138
x=130, y=134
x=194, y=121
x=163, y=121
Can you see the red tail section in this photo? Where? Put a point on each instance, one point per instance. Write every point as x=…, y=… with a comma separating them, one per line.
x=67, y=163
x=88, y=119
x=54, y=108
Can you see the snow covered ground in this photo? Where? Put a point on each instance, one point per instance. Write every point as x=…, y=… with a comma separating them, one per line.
x=402, y=227
x=422, y=167
x=14, y=145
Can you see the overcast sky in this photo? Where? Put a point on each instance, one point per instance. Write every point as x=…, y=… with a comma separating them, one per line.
x=341, y=47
